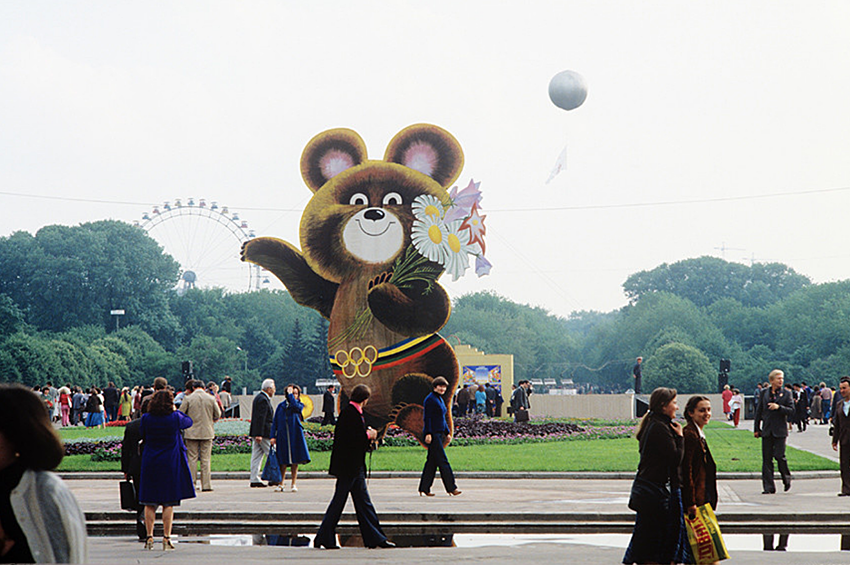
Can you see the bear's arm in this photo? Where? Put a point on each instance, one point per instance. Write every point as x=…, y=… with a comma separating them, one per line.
x=286, y=262
x=410, y=313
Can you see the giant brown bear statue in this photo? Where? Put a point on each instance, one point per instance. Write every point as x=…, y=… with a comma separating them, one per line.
x=355, y=227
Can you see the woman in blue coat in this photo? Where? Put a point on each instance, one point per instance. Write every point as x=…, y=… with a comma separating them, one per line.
x=436, y=432
x=288, y=435
x=166, y=478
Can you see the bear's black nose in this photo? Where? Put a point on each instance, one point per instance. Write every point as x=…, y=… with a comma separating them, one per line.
x=374, y=214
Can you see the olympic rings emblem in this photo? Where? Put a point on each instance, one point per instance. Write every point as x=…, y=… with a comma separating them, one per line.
x=357, y=361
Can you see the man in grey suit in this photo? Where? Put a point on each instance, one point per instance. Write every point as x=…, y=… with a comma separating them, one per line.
x=261, y=429
x=771, y=425
x=841, y=433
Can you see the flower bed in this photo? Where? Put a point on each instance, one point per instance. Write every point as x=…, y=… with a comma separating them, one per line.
x=231, y=435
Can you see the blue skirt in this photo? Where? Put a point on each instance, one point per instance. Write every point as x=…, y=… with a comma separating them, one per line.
x=660, y=538
x=94, y=419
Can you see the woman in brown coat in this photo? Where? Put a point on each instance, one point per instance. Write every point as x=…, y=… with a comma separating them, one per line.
x=699, y=473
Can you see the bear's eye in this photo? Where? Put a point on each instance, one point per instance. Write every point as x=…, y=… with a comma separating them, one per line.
x=359, y=199
x=392, y=199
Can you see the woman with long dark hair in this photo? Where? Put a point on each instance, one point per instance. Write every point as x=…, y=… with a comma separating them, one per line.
x=40, y=520
x=166, y=478
x=699, y=472
x=659, y=535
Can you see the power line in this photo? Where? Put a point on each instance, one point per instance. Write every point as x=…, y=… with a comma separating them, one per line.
x=676, y=202
x=548, y=209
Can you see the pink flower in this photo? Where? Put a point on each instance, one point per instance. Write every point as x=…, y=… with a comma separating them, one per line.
x=463, y=201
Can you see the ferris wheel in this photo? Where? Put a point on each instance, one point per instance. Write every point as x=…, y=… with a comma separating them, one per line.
x=206, y=239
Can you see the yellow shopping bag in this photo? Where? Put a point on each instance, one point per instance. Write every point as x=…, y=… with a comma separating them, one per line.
x=704, y=536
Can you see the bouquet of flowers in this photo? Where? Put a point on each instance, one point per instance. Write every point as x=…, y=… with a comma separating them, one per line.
x=444, y=235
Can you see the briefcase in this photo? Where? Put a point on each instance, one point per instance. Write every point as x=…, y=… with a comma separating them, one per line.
x=521, y=415
x=128, y=495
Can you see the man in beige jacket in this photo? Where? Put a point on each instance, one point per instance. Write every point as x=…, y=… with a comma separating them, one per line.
x=204, y=411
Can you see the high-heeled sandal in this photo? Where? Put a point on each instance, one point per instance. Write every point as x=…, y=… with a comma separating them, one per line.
x=421, y=493
x=166, y=543
x=149, y=542
x=455, y=492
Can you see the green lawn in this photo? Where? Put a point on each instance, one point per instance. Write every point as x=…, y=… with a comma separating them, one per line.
x=733, y=450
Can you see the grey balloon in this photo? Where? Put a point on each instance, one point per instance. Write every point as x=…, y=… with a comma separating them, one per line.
x=567, y=90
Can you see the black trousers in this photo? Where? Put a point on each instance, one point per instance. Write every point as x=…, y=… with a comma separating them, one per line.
x=367, y=518
x=437, y=459
x=773, y=448
x=844, y=458
x=328, y=419
x=141, y=529
x=781, y=542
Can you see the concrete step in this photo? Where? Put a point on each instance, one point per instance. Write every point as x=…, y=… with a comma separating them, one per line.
x=205, y=523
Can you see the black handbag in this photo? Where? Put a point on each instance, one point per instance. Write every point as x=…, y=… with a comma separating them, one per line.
x=647, y=496
x=128, y=495
x=521, y=415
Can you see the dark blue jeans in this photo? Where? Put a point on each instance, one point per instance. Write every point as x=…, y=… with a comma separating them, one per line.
x=437, y=459
x=367, y=518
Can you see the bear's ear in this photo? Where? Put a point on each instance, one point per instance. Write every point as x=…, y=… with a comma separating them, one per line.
x=330, y=153
x=428, y=149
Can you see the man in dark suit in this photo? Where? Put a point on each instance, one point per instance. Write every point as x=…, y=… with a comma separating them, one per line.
x=261, y=429
x=491, y=399
x=110, y=402
x=841, y=433
x=801, y=408
x=352, y=439
x=131, y=466
x=636, y=374
x=328, y=402
x=771, y=425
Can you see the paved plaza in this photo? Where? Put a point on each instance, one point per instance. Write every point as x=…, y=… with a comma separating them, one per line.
x=520, y=497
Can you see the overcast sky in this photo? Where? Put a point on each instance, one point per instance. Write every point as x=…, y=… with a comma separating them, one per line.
x=707, y=125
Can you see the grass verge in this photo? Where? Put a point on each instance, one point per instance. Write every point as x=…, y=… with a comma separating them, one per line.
x=733, y=450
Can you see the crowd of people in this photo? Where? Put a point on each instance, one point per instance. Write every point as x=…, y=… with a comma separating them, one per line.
x=170, y=434
x=94, y=407
x=811, y=405
x=481, y=399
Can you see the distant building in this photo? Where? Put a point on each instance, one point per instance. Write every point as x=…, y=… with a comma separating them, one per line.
x=477, y=367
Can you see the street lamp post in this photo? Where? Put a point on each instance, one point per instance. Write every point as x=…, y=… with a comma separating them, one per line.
x=117, y=314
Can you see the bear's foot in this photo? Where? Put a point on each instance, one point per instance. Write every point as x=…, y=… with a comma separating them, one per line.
x=411, y=389
x=409, y=417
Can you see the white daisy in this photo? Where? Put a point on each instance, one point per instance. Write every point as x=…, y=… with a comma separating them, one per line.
x=425, y=206
x=457, y=249
x=429, y=236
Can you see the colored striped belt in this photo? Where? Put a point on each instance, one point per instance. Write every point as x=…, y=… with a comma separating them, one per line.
x=361, y=361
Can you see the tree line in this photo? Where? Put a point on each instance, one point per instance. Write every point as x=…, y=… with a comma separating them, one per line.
x=57, y=289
